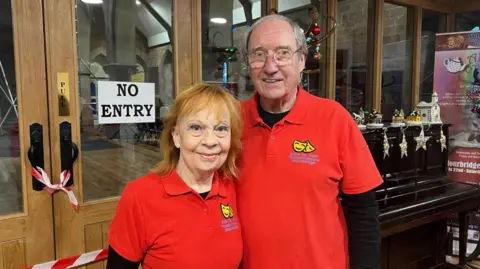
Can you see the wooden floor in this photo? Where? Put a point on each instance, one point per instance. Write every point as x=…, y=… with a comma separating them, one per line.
x=107, y=171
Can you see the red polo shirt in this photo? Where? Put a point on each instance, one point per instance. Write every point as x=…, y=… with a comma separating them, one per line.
x=290, y=178
x=164, y=222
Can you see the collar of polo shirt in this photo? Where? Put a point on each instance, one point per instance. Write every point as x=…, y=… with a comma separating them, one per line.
x=175, y=186
x=295, y=116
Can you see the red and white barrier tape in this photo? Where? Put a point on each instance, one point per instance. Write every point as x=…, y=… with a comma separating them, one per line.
x=42, y=176
x=74, y=261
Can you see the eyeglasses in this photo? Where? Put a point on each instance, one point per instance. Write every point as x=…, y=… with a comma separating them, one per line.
x=282, y=57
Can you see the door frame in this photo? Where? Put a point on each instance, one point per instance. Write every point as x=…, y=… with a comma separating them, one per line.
x=27, y=238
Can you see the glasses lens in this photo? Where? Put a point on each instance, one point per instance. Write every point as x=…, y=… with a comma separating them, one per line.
x=282, y=56
x=256, y=64
x=258, y=58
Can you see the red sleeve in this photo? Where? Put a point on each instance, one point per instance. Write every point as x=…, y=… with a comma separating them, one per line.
x=360, y=173
x=127, y=230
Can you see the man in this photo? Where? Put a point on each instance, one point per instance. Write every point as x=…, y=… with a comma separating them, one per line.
x=300, y=154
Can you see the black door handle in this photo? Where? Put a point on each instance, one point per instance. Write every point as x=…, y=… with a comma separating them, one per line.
x=68, y=150
x=35, y=152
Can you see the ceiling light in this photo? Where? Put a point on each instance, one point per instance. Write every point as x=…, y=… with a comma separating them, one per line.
x=138, y=3
x=92, y=1
x=218, y=20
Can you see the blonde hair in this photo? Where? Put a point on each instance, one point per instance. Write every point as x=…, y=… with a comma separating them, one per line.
x=191, y=101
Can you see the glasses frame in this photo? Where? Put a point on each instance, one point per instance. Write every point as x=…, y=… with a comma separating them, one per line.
x=274, y=58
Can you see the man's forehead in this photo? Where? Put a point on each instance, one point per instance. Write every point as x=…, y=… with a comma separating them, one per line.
x=272, y=36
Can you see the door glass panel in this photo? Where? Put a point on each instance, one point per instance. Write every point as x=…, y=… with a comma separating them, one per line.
x=128, y=41
x=11, y=196
x=225, y=24
x=314, y=78
x=352, y=64
x=397, y=59
x=432, y=23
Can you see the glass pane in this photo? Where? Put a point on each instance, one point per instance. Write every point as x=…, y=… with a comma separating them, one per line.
x=397, y=60
x=11, y=196
x=314, y=75
x=432, y=23
x=121, y=41
x=224, y=24
x=467, y=21
x=352, y=53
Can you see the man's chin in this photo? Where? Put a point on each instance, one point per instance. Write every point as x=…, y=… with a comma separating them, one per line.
x=272, y=92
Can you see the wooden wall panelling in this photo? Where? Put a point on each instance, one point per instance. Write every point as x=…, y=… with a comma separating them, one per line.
x=99, y=211
x=444, y=6
x=373, y=90
x=1, y=258
x=105, y=228
x=466, y=5
x=331, y=58
x=416, y=16
x=93, y=242
x=14, y=254
x=187, y=43
x=13, y=229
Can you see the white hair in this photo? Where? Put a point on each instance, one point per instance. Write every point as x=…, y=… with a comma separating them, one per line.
x=297, y=31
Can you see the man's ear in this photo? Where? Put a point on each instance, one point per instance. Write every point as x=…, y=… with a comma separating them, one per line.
x=176, y=137
x=301, y=65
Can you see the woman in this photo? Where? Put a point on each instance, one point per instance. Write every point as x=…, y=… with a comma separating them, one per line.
x=183, y=213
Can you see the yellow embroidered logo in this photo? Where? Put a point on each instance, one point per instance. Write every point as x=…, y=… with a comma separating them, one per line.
x=227, y=211
x=304, y=147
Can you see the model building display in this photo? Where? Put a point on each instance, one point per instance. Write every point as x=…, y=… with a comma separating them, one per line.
x=360, y=119
x=414, y=118
x=398, y=118
x=430, y=112
x=375, y=120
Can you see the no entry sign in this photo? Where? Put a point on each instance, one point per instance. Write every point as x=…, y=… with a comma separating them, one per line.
x=125, y=102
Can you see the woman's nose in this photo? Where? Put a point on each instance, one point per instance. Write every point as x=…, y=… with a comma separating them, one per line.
x=210, y=139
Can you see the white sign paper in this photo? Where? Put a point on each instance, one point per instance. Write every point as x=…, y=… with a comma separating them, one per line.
x=125, y=102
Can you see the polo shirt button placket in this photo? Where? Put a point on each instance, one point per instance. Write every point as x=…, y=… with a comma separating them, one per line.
x=270, y=145
x=209, y=227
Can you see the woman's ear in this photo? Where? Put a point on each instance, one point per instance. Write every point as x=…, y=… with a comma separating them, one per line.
x=176, y=137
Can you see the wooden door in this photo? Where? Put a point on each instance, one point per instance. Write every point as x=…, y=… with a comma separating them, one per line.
x=26, y=221
x=86, y=43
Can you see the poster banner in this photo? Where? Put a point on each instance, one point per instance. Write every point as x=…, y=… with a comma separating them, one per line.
x=457, y=83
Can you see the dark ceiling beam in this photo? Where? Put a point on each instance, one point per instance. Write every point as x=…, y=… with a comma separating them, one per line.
x=247, y=9
x=159, y=18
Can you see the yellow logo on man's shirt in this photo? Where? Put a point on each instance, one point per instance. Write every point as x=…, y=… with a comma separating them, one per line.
x=305, y=147
x=227, y=211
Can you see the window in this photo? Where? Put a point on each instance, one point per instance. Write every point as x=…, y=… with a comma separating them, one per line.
x=397, y=60
x=467, y=21
x=224, y=24
x=432, y=23
x=314, y=75
x=352, y=53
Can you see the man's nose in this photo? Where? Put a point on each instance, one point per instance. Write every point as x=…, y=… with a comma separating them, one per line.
x=270, y=65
